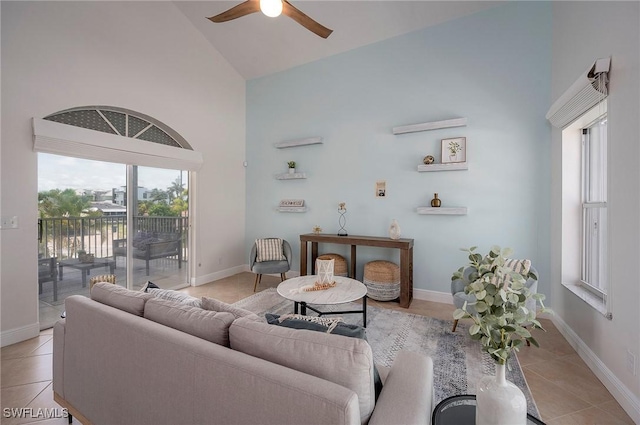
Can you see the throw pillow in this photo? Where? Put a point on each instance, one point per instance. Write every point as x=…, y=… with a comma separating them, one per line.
x=217, y=305
x=269, y=250
x=149, y=285
x=168, y=294
x=519, y=266
x=298, y=321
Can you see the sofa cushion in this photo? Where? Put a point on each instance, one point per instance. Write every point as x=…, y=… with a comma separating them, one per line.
x=120, y=298
x=209, y=325
x=345, y=361
x=217, y=305
x=296, y=321
x=171, y=295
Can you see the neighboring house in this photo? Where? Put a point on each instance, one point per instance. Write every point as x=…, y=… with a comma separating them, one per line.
x=500, y=68
x=108, y=208
x=120, y=195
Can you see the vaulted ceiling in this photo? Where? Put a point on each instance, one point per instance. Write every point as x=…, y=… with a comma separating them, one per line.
x=257, y=45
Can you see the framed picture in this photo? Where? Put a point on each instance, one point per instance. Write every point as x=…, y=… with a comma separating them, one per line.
x=454, y=150
x=381, y=189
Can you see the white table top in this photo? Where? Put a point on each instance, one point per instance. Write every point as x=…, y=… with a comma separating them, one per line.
x=346, y=290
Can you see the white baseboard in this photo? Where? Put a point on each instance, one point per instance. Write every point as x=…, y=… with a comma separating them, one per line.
x=629, y=402
x=435, y=296
x=13, y=336
x=201, y=280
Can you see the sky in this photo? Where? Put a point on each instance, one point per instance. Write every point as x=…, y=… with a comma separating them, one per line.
x=62, y=172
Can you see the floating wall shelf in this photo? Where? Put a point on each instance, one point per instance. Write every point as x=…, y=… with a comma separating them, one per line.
x=298, y=142
x=291, y=176
x=454, y=166
x=292, y=209
x=442, y=210
x=435, y=125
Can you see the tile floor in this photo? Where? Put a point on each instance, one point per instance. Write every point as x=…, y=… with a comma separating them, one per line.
x=565, y=390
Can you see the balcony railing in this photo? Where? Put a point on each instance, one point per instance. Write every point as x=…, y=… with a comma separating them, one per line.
x=63, y=237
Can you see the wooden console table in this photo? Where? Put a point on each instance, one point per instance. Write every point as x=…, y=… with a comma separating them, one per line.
x=404, y=245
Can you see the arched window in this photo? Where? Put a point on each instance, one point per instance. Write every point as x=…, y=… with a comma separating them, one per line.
x=113, y=134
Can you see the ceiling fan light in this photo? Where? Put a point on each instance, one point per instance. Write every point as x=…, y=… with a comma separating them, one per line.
x=271, y=8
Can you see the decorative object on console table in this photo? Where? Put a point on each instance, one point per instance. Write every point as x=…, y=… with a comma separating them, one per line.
x=499, y=317
x=394, y=229
x=454, y=150
x=292, y=167
x=342, y=221
x=429, y=159
x=435, y=202
x=317, y=229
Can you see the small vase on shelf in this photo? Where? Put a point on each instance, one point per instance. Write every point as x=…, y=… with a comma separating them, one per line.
x=500, y=402
x=394, y=230
x=435, y=202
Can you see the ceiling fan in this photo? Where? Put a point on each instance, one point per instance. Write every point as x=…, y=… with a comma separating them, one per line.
x=272, y=8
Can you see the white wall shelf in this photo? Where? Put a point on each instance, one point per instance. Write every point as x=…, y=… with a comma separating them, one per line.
x=298, y=142
x=290, y=176
x=292, y=209
x=442, y=210
x=453, y=166
x=435, y=125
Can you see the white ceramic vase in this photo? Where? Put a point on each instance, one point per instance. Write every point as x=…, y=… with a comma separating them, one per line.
x=394, y=230
x=292, y=170
x=500, y=402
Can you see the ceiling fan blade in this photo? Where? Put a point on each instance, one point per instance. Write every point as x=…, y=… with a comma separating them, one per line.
x=295, y=14
x=243, y=9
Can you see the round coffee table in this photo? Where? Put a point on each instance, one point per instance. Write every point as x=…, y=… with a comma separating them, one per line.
x=346, y=290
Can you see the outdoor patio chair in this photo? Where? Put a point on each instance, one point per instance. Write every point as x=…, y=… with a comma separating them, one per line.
x=48, y=272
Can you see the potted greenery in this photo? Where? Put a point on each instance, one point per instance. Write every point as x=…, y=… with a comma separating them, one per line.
x=292, y=167
x=499, y=318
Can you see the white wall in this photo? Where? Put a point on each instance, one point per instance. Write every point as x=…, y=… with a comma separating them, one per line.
x=583, y=32
x=144, y=56
x=492, y=68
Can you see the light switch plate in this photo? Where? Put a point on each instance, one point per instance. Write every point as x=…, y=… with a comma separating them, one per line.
x=9, y=222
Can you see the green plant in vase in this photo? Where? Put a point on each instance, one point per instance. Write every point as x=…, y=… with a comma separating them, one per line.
x=500, y=317
x=292, y=166
x=500, y=313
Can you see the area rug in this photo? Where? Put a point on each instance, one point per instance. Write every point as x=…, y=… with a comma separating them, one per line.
x=458, y=362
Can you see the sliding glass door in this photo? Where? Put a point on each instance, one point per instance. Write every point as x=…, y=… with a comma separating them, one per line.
x=100, y=218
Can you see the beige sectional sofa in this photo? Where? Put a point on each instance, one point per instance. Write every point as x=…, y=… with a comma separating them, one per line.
x=126, y=357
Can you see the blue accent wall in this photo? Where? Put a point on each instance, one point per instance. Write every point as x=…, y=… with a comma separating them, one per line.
x=493, y=67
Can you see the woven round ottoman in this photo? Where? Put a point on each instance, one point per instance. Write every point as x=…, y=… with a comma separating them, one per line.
x=339, y=265
x=382, y=279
